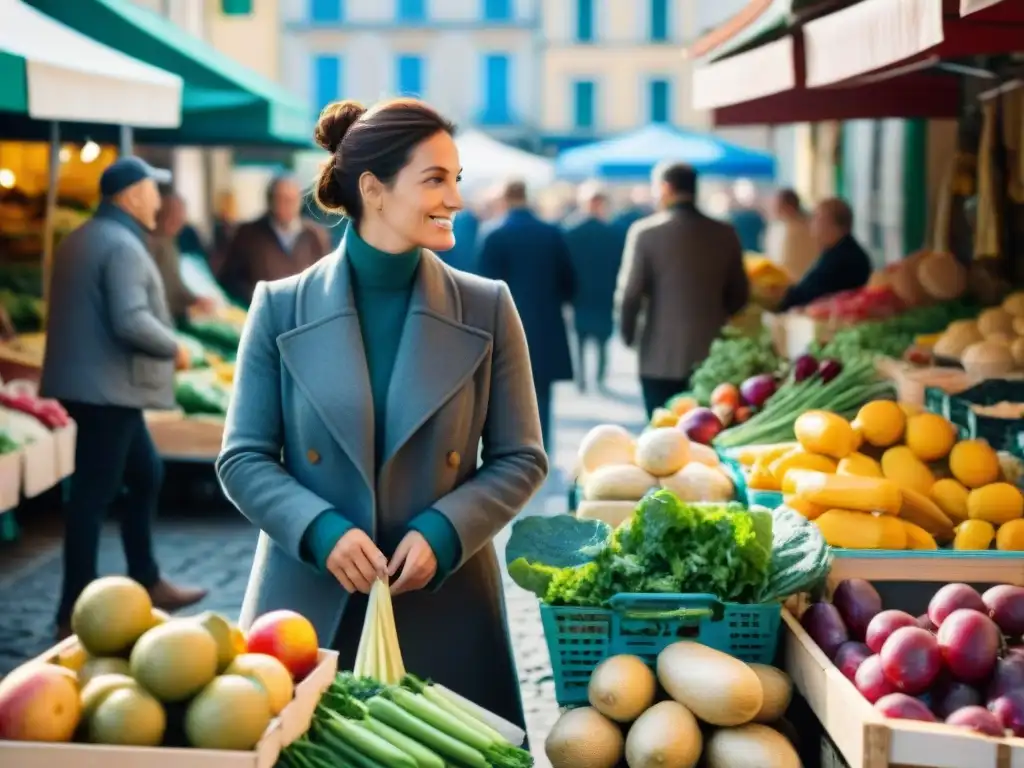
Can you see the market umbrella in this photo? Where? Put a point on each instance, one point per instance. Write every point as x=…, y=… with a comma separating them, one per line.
x=634, y=156
x=489, y=161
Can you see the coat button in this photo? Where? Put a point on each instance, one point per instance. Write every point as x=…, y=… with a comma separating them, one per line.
x=453, y=459
x=313, y=456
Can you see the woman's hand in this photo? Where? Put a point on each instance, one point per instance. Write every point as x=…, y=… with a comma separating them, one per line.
x=356, y=562
x=416, y=560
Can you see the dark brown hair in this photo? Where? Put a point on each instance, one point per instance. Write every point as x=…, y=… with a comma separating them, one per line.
x=680, y=177
x=789, y=198
x=378, y=140
x=839, y=211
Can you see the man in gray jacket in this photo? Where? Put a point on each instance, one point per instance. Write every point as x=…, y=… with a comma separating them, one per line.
x=111, y=352
x=684, y=272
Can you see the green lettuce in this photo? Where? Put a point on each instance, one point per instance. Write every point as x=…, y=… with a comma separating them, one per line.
x=668, y=546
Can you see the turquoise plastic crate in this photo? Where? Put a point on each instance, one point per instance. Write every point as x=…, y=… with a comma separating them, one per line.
x=745, y=494
x=643, y=625
x=1001, y=434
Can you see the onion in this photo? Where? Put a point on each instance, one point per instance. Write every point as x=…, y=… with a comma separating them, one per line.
x=829, y=369
x=804, y=368
x=757, y=389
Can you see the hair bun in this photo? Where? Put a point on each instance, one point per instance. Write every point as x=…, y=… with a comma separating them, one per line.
x=334, y=122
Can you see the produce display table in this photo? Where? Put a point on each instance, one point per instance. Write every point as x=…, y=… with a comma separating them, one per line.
x=928, y=566
x=864, y=737
x=183, y=438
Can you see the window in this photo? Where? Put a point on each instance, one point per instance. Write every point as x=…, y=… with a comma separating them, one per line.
x=325, y=10
x=584, y=94
x=659, y=104
x=410, y=75
x=659, y=21
x=497, y=10
x=496, y=76
x=412, y=10
x=584, y=21
x=236, y=7
x=326, y=80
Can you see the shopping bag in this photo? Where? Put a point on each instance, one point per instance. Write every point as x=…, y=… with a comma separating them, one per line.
x=379, y=655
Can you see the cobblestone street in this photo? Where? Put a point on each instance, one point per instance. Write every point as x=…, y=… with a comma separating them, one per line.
x=215, y=551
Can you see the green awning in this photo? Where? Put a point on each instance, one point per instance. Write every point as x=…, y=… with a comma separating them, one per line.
x=223, y=102
x=771, y=24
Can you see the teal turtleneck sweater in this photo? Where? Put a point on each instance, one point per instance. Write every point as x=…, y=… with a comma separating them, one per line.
x=382, y=285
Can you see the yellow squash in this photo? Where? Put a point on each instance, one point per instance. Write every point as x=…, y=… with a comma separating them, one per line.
x=861, y=465
x=798, y=458
x=918, y=537
x=997, y=503
x=804, y=507
x=862, y=530
x=925, y=513
x=864, y=494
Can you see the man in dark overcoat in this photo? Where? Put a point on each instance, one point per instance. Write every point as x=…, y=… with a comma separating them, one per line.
x=596, y=255
x=531, y=257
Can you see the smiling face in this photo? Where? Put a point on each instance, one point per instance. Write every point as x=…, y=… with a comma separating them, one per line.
x=419, y=206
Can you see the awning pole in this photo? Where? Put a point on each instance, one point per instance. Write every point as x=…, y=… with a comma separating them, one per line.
x=126, y=140
x=49, y=225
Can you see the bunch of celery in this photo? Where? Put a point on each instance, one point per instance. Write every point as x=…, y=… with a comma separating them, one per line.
x=364, y=724
x=379, y=657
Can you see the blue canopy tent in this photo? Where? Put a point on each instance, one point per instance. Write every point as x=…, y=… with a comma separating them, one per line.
x=634, y=155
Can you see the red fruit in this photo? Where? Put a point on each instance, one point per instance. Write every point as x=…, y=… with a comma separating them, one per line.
x=287, y=636
x=850, y=656
x=825, y=626
x=925, y=623
x=969, y=642
x=871, y=681
x=1010, y=711
x=1005, y=605
x=978, y=719
x=883, y=625
x=911, y=659
x=743, y=413
x=953, y=597
x=903, y=707
x=700, y=425
x=1007, y=676
x=951, y=695
x=858, y=603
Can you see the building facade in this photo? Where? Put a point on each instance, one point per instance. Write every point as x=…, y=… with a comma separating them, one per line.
x=476, y=60
x=614, y=65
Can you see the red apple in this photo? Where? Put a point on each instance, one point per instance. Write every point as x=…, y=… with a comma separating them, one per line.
x=287, y=636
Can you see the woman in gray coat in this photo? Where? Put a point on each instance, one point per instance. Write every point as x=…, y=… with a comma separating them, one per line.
x=364, y=388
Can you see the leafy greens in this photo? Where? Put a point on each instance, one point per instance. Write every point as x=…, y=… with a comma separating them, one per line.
x=668, y=546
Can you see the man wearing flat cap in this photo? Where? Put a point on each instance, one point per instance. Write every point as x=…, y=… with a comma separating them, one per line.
x=111, y=353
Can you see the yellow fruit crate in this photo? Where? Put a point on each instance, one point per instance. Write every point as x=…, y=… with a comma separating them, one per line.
x=292, y=723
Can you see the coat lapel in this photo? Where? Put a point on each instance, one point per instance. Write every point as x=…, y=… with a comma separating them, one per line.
x=436, y=356
x=325, y=356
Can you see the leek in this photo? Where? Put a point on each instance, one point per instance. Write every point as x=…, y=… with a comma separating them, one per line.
x=379, y=655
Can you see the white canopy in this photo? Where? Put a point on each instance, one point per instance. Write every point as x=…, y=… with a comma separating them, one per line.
x=488, y=161
x=73, y=78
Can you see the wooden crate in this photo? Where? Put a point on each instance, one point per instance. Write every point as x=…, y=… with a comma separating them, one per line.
x=185, y=438
x=928, y=565
x=292, y=723
x=864, y=737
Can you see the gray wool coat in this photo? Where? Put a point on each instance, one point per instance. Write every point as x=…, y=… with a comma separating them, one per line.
x=299, y=440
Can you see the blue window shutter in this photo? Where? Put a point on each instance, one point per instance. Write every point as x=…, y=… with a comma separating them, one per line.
x=410, y=75
x=412, y=10
x=660, y=107
x=584, y=21
x=236, y=7
x=497, y=76
x=584, y=93
x=326, y=80
x=497, y=10
x=659, y=21
x=325, y=10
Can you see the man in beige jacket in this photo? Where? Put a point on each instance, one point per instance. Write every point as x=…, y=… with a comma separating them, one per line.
x=789, y=242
